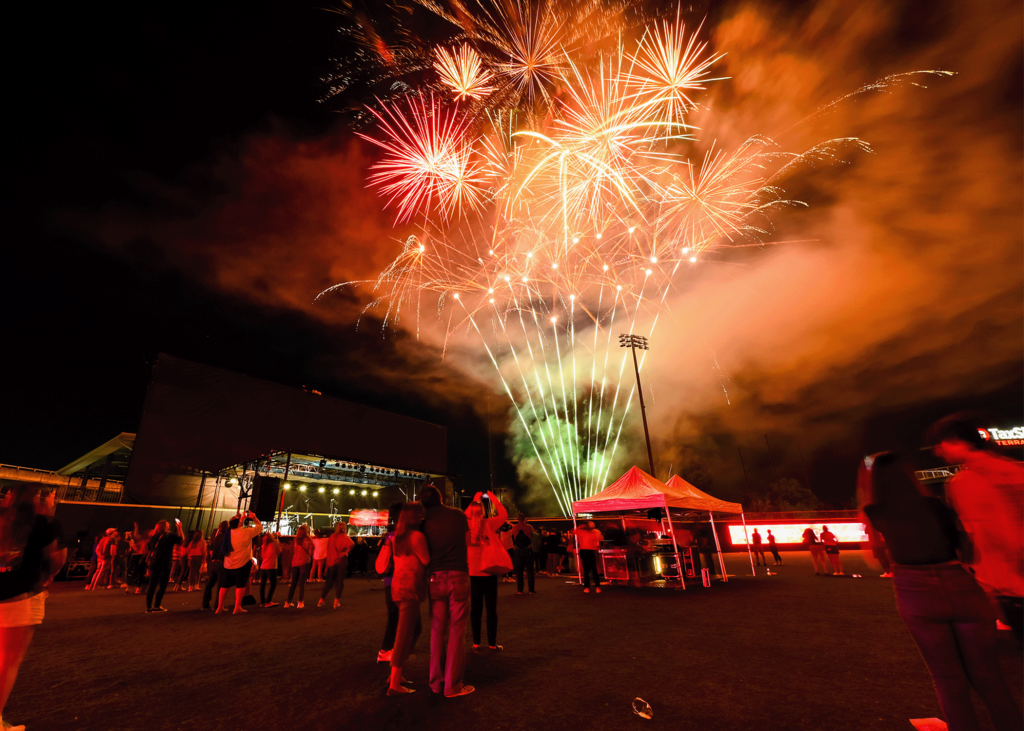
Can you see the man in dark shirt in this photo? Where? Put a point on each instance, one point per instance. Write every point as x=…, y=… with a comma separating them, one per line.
x=161, y=554
x=445, y=529
x=522, y=559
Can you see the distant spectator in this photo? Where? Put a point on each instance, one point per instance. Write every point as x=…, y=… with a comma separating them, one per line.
x=270, y=551
x=537, y=550
x=774, y=549
x=988, y=496
x=831, y=543
x=121, y=553
x=106, y=549
x=506, y=542
x=319, y=566
x=758, y=549
x=196, y=555
x=237, y=559
x=214, y=562
x=338, y=547
x=706, y=547
x=179, y=563
x=589, y=538
x=161, y=552
x=302, y=558
x=522, y=538
x=817, y=552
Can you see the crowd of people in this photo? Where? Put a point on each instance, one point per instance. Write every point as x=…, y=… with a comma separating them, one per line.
x=957, y=567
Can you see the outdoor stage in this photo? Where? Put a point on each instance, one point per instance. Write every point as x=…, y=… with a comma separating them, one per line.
x=792, y=651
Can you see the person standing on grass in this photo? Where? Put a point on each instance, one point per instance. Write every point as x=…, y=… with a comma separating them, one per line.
x=237, y=559
x=302, y=557
x=30, y=556
x=337, y=548
x=945, y=610
x=446, y=529
x=758, y=549
x=195, y=553
x=831, y=543
x=774, y=549
x=270, y=550
x=988, y=497
x=483, y=586
x=589, y=538
x=410, y=555
x=214, y=562
x=385, y=566
x=522, y=538
x=161, y=552
x=816, y=550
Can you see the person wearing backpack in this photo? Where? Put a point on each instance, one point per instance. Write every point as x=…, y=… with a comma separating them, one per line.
x=522, y=539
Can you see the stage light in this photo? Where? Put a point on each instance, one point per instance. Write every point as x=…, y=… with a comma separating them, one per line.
x=375, y=494
x=337, y=491
x=232, y=481
x=321, y=489
x=287, y=486
x=351, y=492
x=302, y=488
x=364, y=493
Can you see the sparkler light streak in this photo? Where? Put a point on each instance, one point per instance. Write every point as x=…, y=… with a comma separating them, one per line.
x=577, y=221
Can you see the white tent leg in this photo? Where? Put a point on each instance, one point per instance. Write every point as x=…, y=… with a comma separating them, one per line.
x=721, y=561
x=679, y=560
x=749, y=554
x=579, y=563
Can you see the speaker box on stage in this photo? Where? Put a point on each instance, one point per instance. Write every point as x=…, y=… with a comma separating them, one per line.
x=265, y=493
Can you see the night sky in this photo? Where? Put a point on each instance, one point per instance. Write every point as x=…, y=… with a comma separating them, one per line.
x=182, y=119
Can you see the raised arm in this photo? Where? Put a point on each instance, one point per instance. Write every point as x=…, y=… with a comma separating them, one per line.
x=181, y=531
x=500, y=513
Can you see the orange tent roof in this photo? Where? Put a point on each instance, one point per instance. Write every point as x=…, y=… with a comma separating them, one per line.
x=681, y=494
x=637, y=490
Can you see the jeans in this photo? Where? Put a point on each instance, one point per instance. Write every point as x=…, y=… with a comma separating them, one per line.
x=158, y=578
x=335, y=578
x=484, y=590
x=213, y=573
x=408, y=630
x=266, y=574
x=953, y=624
x=588, y=558
x=391, y=628
x=523, y=561
x=449, y=610
x=299, y=576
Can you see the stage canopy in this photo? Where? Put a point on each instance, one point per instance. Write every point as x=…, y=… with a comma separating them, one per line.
x=684, y=495
x=637, y=490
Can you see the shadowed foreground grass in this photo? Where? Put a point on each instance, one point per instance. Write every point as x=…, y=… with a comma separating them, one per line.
x=791, y=651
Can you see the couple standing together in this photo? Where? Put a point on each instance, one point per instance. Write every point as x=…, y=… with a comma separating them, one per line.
x=430, y=557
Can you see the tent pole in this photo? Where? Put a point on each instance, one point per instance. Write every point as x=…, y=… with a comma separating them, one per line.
x=280, y=506
x=675, y=546
x=749, y=555
x=579, y=563
x=721, y=561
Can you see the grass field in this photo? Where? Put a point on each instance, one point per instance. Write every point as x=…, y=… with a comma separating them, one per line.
x=791, y=651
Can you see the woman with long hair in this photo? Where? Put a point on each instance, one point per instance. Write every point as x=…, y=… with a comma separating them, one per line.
x=302, y=557
x=270, y=550
x=319, y=571
x=29, y=559
x=196, y=553
x=945, y=610
x=408, y=586
x=483, y=586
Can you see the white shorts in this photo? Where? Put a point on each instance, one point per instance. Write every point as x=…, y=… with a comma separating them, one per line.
x=23, y=611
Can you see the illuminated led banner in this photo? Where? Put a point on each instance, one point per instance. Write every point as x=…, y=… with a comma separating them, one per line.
x=1005, y=437
x=794, y=532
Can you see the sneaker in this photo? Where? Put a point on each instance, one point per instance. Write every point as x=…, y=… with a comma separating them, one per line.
x=336, y=604
x=597, y=590
x=887, y=575
x=1001, y=625
x=519, y=593
x=476, y=649
x=301, y=605
x=320, y=603
x=463, y=690
x=495, y=648
x=268, y=605
x=159, y=609
x=586, y=591
x=384, y=656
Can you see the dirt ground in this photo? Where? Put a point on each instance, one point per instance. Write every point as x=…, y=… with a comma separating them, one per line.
x=789, y=651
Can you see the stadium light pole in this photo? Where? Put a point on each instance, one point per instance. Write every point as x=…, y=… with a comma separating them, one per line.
x=633, y=342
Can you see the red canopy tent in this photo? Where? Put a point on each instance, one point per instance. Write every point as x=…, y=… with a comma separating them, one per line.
x=685, y=495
